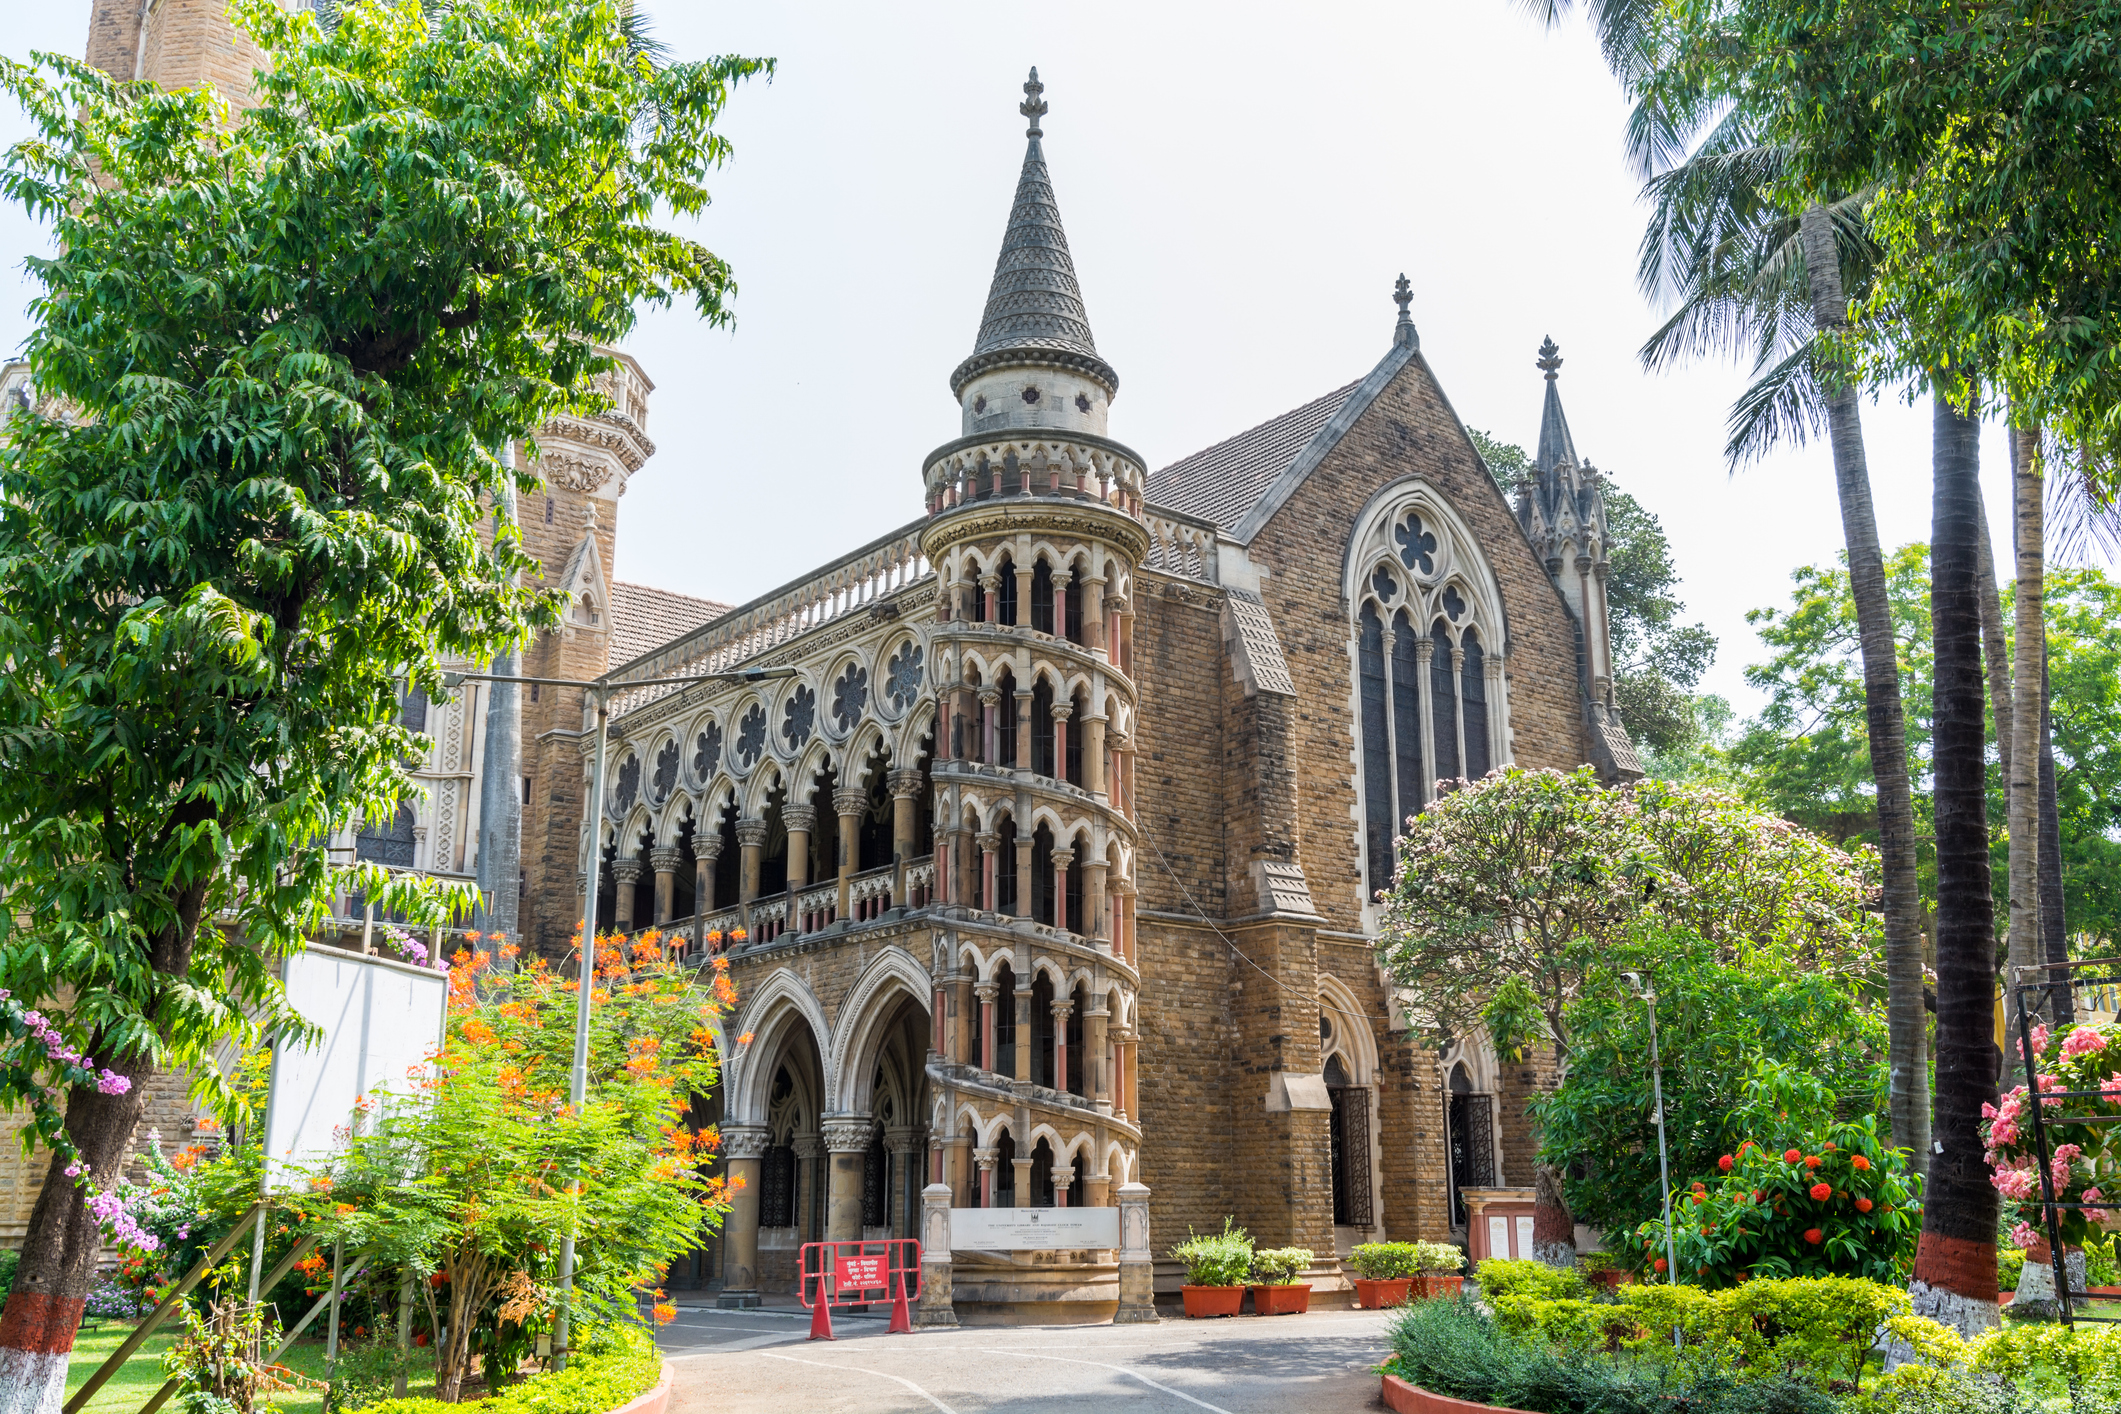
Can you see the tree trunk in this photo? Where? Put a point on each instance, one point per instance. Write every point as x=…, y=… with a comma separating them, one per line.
x=59, y=1252
x=2054, y=920
x=1995, y=647
x=2028, y=659
x=1955, y=1262
x=1906, y=1018
x=1553, y=1226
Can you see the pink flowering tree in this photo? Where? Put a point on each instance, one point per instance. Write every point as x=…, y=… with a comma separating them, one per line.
x=2084, y=1160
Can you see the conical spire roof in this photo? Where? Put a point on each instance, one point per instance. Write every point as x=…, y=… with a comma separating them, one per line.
x=1555, y=444
x=1035, y=308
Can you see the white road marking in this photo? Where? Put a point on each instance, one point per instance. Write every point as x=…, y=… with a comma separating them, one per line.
x=835, y=1365
x=1121, y=1369
x=729, y=1346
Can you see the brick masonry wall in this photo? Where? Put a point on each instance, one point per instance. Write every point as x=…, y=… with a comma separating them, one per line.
x=1408, y=430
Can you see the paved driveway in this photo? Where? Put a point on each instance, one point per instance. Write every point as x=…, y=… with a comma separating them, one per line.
x=735, y=1362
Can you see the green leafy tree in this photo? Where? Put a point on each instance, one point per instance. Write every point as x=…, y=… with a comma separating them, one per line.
x=1805, y=755
x=467, y=1186
x=1657, y=660
x=1723, y=1018
x=1512, y=894
x=275, y=355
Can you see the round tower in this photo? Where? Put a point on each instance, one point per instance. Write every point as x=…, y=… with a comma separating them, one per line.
x=1035, y=531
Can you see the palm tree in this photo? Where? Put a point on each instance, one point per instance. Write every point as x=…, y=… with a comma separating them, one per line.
x=1747, y=277
x=1955, y=1265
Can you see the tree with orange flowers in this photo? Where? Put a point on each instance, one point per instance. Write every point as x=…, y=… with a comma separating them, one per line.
x=464, y=1186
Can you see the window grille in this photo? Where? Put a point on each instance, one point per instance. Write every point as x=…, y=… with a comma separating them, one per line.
x=777, y=1187
x=876, y=1183
x=1351, y=1155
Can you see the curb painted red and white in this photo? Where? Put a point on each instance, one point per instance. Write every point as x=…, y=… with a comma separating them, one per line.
x=1403, y=1398
x=36, y=1339
x=656, y=1401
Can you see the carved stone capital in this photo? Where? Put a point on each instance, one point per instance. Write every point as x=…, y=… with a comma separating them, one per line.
x=906, y=784
x=985, y=1158
x=989, y=841
x=666, y=858
x=987, y=991
x=850, y=802
x=1062, y=711
x=1424, y=651
x=1062, y=1009
x=849, y=1136
x=751, y=834
x=807, y=1146
x=745, y=1142
x=799, y=817
x=990, y=582
x=1062, y=858
x=626, y=871
x=990, y=695
x=707, y=848
x=573, y=473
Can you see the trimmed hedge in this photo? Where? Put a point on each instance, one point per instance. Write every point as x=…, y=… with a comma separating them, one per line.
x=593, y=1383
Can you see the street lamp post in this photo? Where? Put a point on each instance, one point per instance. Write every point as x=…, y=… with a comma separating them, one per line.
x=600, y=691
x=1664, y=1165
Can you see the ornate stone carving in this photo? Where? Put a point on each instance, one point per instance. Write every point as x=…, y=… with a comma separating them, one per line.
x=848, y=1136
x=744, y=1142
x=574, y=473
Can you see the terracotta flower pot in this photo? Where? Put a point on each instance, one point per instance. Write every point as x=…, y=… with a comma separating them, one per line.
x=1291, y=1300
x=1434, y=1284
x=1613, y=1280
x=1213, y=1300
x=1376, y=1295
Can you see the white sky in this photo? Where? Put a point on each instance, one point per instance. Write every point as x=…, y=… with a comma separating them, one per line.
x=1241, y=183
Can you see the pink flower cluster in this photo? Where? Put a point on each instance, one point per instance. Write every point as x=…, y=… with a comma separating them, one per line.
x=109, y=1081
x=109, y=1209
x=2024, y=1238
x=2016, y=1184
x=2082, y=1042
x=2003, y=1121
x=412, y=949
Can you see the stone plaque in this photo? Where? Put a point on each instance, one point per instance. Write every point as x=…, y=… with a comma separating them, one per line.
x=1032, y=1229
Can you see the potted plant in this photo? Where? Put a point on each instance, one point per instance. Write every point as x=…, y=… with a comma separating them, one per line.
x=1275, y=1290
x=1217, y=1264
x=1443, y=1267
x=1604, y=1269
x=1384, y=1271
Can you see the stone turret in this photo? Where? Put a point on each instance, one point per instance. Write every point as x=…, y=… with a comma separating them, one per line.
x=1561, y=505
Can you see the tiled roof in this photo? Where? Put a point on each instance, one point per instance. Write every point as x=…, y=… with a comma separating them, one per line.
x=1225, y=481
x=645, y=618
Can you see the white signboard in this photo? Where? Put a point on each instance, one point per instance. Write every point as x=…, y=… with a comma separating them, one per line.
x=382, y=1024
x=1032, y=1229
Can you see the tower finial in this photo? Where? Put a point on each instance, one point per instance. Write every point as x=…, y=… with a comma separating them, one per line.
x=1033, y=106
x=1403, y=295
x=1550, y=359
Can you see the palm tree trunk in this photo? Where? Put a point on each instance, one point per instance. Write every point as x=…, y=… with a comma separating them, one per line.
x=2028, y=657
x=1955, y=1262
x=2054, y=920
x=1995, y=648
x=1906, y=1018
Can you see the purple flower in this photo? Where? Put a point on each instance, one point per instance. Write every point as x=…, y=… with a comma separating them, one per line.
x=112, y=1083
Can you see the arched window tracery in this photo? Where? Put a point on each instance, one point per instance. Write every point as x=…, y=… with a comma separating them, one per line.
x=1428, y=621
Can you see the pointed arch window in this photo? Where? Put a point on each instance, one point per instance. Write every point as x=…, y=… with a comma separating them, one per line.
x=1443, y=701
x=1376, y=749
x=1473, y=704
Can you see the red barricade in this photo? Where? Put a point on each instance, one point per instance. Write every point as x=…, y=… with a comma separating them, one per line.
x=860, y=1274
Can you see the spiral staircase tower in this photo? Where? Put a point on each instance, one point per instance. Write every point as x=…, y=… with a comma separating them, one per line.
x=1035, y=530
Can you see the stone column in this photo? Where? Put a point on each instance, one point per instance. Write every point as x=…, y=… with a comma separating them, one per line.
x=1023, y=729
x=1097, y=1187
x=1061, y=580
x=985, y=1158
x=1100, y=1077
x=846, y=1146
x=1062, y=711
x=1062, y=858
x=1458, y=703
x=1024, y=1038
x=742, y=1148
x=1093, y=614
x=625, y=873
x=706, y=853
x=990, y=586
x=989, y=842
x=1094, y=890
x=1094, y=752
x=1062, y=1010
x=665, y=860
x=1137, y=1269
x=1121, y=1080
x=851, y=805
x=906, y=787
x=1024, y=889
x=905, y=1145
x=1110, y=628
x=935, y=1307
x=1499, y=753
x=990, y=725
x=1063, y=1180
x=800, y=820
x=987, y=992
x=1023, y=583
x=751, y=839
x=1023, y=1178
x=809, y=1149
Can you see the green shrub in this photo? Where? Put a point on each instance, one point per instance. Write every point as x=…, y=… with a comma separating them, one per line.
x=1452, y=1348
x=9, y=1260
x=1442, y=1258
x=1504, y=1276
x=1216, y=1259
x=620, y=1365
x=1386, y=1261
x=1279, y=1266
x=1843, y=1204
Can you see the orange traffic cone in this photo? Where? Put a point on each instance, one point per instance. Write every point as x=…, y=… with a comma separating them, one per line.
x=901, y=1321
x=821, y=1315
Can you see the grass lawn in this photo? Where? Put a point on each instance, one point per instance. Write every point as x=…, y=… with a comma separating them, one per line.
x=142, y=1375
